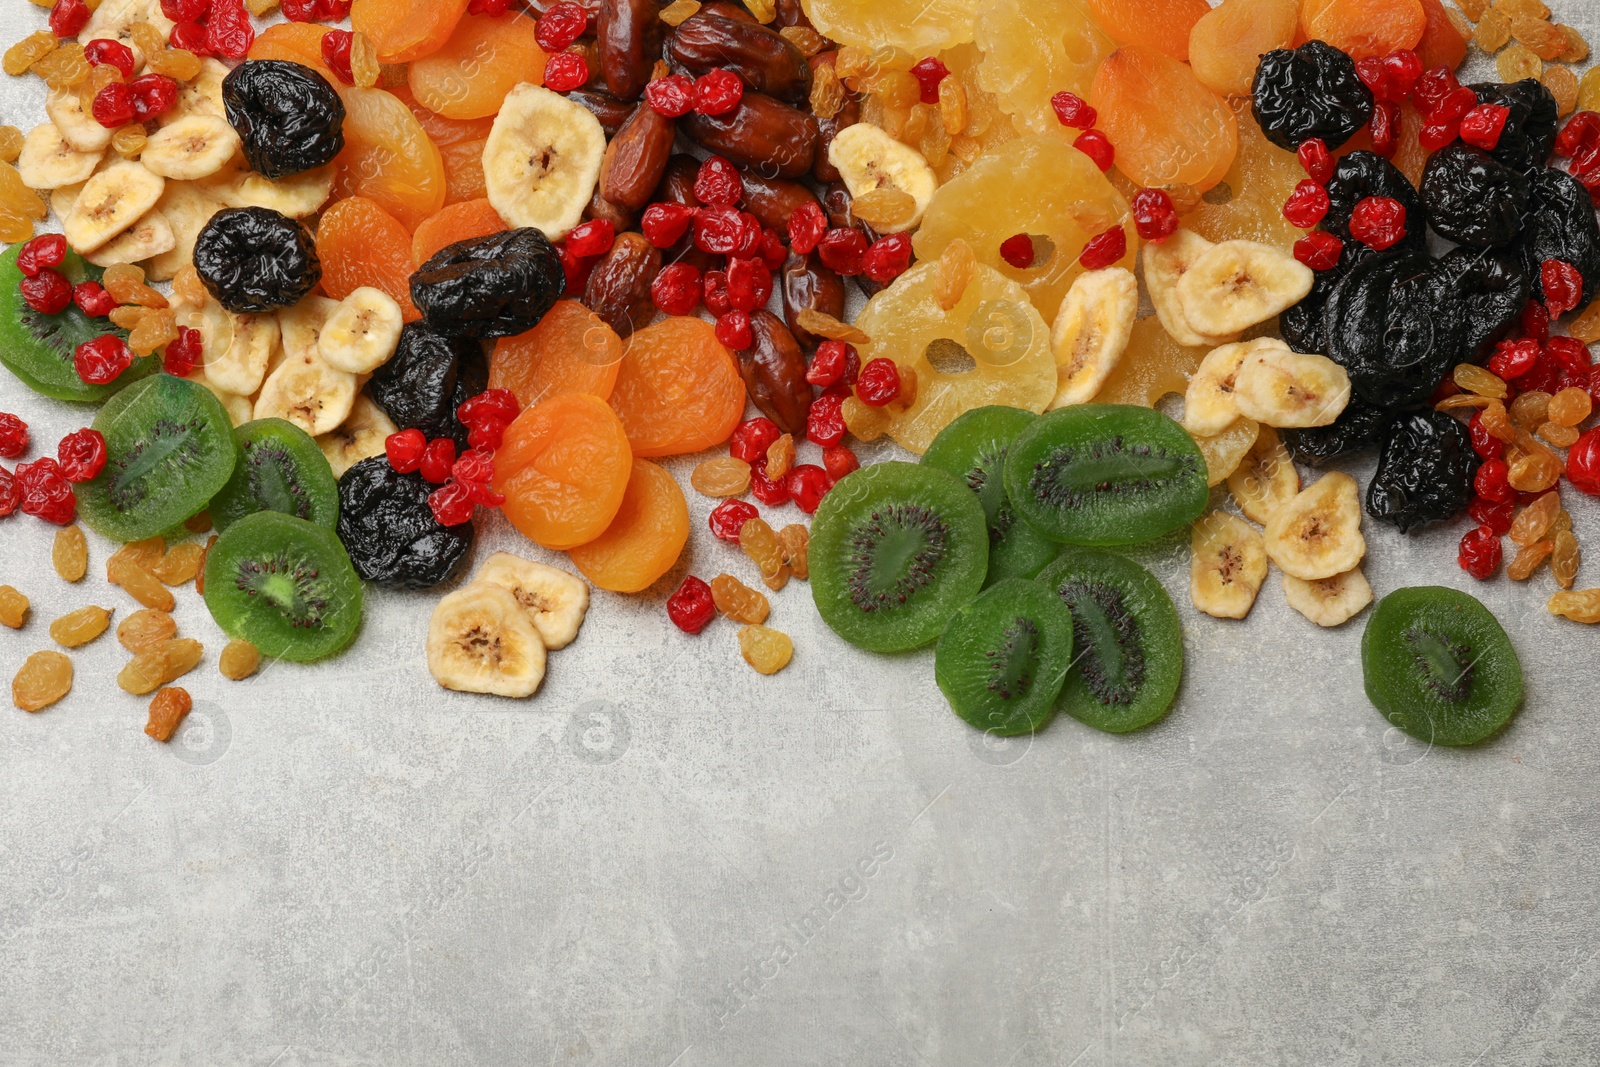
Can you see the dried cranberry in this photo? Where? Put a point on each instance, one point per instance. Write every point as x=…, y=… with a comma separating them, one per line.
x=714, y=291
x=13, y=436
x=1572, y=355
x=1580, y=137
x=565, y=71
x=10, y=495
x=824, y=421
x=297, y=10
x=807, y=484
x=1319, y=250
x=717, y=92
x=887, y=258
x=93, y=300
x=676, y=290
x=807, y=224
x=486, y=438
x=749, y=235
x=717, y=230
x=190, y=36
x=1435, y=135
x=729, y=517
x=1490, y=481
x=1583, y=463
x=1481, y=127
x=839, y=461
x=672, y=96
x=100, y=50
x=1484, y=443
x=437, y=459
x=1563, y=286
x=773, y=252
x=842, y=250
x=879, y=382
x=82, y=454
x=769, y=492
x=405, y=449
x=46, y=250
x=47, y=292
x=228, y=31
x=560, y=25
x=101, y=360
x=1307, y=205
x=733, y=330
x=1497, y=515
x=1541, y=378
x=1097, y=146
x=592, y=238
x=1104, y=250
x=749, y=283
x=1379, y=222
x=664, y=224
x=1534, y=321
x=183, y=352
x=717, y=183
x=452, y=504
x=827, y=366
x=1433, y=86
x=1154, y=215
x=490, y=407
x=153, y=94
x=493, y=8
x=1370, y=70
x=691, y=608
x=1073, y=110
x=1479, y=555
x=1454, y=106
x=336, y=53
x=68, y=17
x=1513, y=359
x=929, y=73
x=332, y=10
x=45, y=492
x=1316, y=159
x=575, y=268
x=188, y=10
x=1402, y=70
x=1385, y=128
x=1017, y=250
x=112, y=106
x=474, y=467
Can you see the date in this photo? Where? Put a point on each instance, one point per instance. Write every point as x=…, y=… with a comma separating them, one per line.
x=762, y=134
x=619, y=287
x=636, y=158
x=774, y=373
x=765, y=61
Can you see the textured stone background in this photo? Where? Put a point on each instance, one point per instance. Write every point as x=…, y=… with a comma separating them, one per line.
x=659, y=860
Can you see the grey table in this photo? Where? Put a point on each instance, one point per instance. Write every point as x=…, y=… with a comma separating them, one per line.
x=664, y=859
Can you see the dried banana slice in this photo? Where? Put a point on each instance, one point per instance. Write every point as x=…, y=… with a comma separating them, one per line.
x=554, y=600
x=1091, y=332
x=1227, y=564
x=1286, y=389
x=1265, y=479
x=1329, y=601
x=362, y=332
x=360, y=436
x=1238, y=284
x=1165, y=263
x=110, y=202
x=542, y=160
x=1209, y=404
x=867, y=159
x=196, y=146
x=1318, y=533
x=150, y=236
x=307, y=392
x=481, y=641
x=49, y=160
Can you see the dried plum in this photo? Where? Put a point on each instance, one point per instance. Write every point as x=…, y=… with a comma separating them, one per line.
x=289, y=119
x=1560, y=224
x=256, y=259
x=1357, y=429
x=427, y=378
x=1362, y=174
x=1493, y=288
x=1425, y=470
x=1301, y=325
x=494, y=286
x=390, y=532
x=1472, y=198
x=1530, y=130
x=1312, y=91
x=1396, y=324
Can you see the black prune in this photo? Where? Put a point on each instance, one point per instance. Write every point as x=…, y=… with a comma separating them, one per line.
x=493, y=286
x=1312, y=91
x=256, y=259
x=1396, y=325
x=1362, y=174
x=1357, y=429
x=427, y=378
x=289, y=119
x=1472, y=198
x=390, y=532
x=1530, y=131
x=1560, y=224
x=1301, y=325
x=1493, y=288
x=1425, y=470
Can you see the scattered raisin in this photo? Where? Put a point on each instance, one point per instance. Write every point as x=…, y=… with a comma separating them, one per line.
x=45, y=677
x=167, y=709
x=80, y=627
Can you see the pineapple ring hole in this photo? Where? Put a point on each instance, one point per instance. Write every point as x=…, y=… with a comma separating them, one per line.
x=949, y=357
x=1044, y=250
x=1218, y=194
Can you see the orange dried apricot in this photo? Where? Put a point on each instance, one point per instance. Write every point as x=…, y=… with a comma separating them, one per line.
x=646, y=537
x=563, y=467
x=362, y=244
x=1166, y=126
x=387, y=157
x=1160, y=24
x=463, y=171
x=403, y=30
x=297, y=42
x=452, y=223
x=1364, y=27
x=482, y=61
x=440, y=130
x=677, y=388
x=1442, y=44
x=1227, y=43
x=572, y=350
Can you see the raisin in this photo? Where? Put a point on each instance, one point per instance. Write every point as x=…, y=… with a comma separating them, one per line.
x=1492, y=287
x=1361, y=175
x=738, y=601
x=722, y=476
x=13, y=607
x=70, y=553
x=180, y=564
x=1472, y=198
x=1425, y=471
x=146, y=629
x=1564, y=558
x=1311, y=91
x=239, y=660
x=1528, y=559
x=767, y=650
x=427, y=379
x=796, y=542
x=289, y=119
x=1560, y=224
x=255, y=259
x=390, y=531
x=167, y=709
x=45, y=677
x=1395, y=323
x=1529, y=134
x=498, y=285
x=140, y=584
x=159, y=664
x=80, y=627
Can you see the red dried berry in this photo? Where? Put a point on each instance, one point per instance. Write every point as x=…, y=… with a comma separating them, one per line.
x=1484, y=443
x=842, y=250
x=68, y=17
x=827, y=365
x=1319, y=250
x=1479, y=554
x=228, y=31
x=102, y=360
x=663, y=225
x=45, y=492
x=451, y=504
x=82, y=454
x=1435, y=135
x=47, y=292
x=100, y=50
x=807, y=223
x=1534, y=321
x=336, y=53
x=749, y=283
x=1402, y=70
x=1073, y=110
x=490, y=406
x=1379, y=222
x=112, y=106
x=1307, y=205
x=691, y=608
x=824, y=421
x=717, y=92
x=1154, y=215
x=10, y=495
x=404, y=449
x=1316, y=159
x=879, y=382
x=1385, y=128
x=1496, y=515
x=717, y=230
x=1481, y=127
x=1370, y=70
x=807, y=484
x=717, y=183
x=1583, y=463
x=676, y=289
x=153, y=94
x=750, y=235
x=565, y=71
x=592, y=238
x=1542, y=377
x=474, y=467
x=1455, y=105
x=182, y=354
x=773, y=252
x=929, y=73
x=839, y=461
x=714, y=291
x=1513, y=359
x=437, y=459
x=1017, y=250
x=46, y=250
x=672, y=96
x=1097, y=146
x=190, y=36
x=1433, y=86
x=93, y=300
x=1490, y=481
x=13, y=436
x=559, y=26
x=297, y=10
x=1563, y=286
x=733, y=330
x=1580, y=137
x=729, y=517
x=769, y=492
x=887, y=258
x=1105, y=249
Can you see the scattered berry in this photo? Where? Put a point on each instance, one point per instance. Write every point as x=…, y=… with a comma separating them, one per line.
x=879, y=382
x=559, y=26
x=47, y=292
x=839, y=461
x=1481, y=127
x=404, y=449
x=68, y=17
x=1491, y=481
x=714, y=291
x=1073, y=110
x=335, y=48
x=929, y=73
x=887, y=258
x=691, y=608
x=1513, y=359
x=1097, y=146
x=729, y=517
x=1017, y=250
x=565, y=71
x=1319, y=250
x=13, y=436
x=807, y=223
x=672, y=96
x=1563, y=286
x=437, y=459
x=1105, y=249
x=102, y=360
x=1379, y=222
x=676, y=290
x=112, y=106
x=824, y=421
x=46, y=250
x=663, y=225
x=717, y=183
x=1307, y=205
x=82, y=454
x=717, y=92
x=807, y=484
x=1583, y=463
x=452, y=504
x=749, y=283
x=1480, y=551
x=1154, y=216
x=1316, y=159
x=182, y=354
x=45, y=492
x=1385, y=128
x=842, y=250
x=733, y=330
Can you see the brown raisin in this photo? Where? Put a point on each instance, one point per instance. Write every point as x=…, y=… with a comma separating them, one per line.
x=167, y=709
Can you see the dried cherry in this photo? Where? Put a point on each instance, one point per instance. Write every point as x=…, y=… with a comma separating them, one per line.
x=1362, y=175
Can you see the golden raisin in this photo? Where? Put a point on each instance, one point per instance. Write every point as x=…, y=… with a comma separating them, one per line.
x=824, y=325
x=954, y=273
x=45, y=677
x=827, y=93
x=1517, y=62
x=1482, y=382
x=1569, y=406
x=146, y=554
x=146, y=38
x=1533, y=9
x=187, y=284
x=143, y=586
x=806, y=39
x=65, y=67
x=1577, y=49
x=70, y=553
x=146, y=629
x=128, y=142
x=1493, y=32
x=239, y=660
x=679, y=11
x=1581, y=607
x=28, y=51
x=363, y=61
x=157, y=666
x=1563, y=85
x=738, y=601
x=1497, y=421
x=908, y=389
x=11, y=142
x=1534, y=473
x=796, y=542
x=952, y=105
x=179, y=64
x=1558, y=435
x=125, y=283
x=80, y=627
x=1564, y=558
x=1586, y=327
x=865, y=422
x=780, y=457
x=1527, y=560
x=1458, y=401
x=167, y=709
x=259, y=8
x=721, y=476
x=180, y=564
x=1534, y=521
x=760, y=543
x=156, y=328
x=767, y=650
x=1473, y=9
x=13, y=607
x=1529, y=409
x=100, y=77
x=764, y=10
x=1540, y=38
x=886, y=208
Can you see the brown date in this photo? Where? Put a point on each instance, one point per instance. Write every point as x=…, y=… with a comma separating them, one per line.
x=765, y=61
x=773, y=200
x=619, y=287
x=791, y=14
x=850, y=114
x=836, y=201
x=808, y=284
x=628, y=33
x=611, y=112
x=677, y=181
x=621, y=218
x=774, y=372
x=761, y=134
x=723, y=9
x=636, y=157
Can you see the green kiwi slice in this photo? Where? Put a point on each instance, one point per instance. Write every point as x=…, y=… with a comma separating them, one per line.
x=285, y=585
x=169, y=448
x=1125, y=633
x=973, y=448
x=1439, y=666
x=38, y=348
x=1002, y=658
x=1105, y=474
x=895, y=549
x=280, y=468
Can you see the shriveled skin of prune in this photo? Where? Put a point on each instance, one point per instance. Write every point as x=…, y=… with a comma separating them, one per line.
x=255, y=259
x=390, y=532
x=1311, y=91
x=1396, y=324
x=1493, y=287
x=1357, y=429
x=1472, y=198
x=1302, y=324
x=1560, y=224
x=427, y=378
x=1530, y=131
x=499, y=285
x=1362, y=174
x=1425, y=470
x=289, y=119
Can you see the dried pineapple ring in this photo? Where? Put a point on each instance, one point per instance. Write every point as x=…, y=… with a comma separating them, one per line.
x=1032, y=50
x=916, y=26
x=991, y=348
x=1067, y=201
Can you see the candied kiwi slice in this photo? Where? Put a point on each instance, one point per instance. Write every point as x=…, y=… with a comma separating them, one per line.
x=280, y=468
x=285, y=585
x=973, y=448
x=169, y=448
x=38, y=348
x=895, y=549
x=1002, y=658
x=1439, y=666
x=1128, y=645
x=1105, y=474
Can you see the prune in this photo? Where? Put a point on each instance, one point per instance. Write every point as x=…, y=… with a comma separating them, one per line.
x=494, y=286
x=1362, y=174
x=1560, y=224
x=1396, y=324
x=1425, y=470
x=256, y=259
x=1472, y=198
x=1493, y=288
x=289, y=119
x=390, y=532
x=1530, y=131
x=1312, y=91
x=1301, y=325
x=1357, y=429
x=427, y=378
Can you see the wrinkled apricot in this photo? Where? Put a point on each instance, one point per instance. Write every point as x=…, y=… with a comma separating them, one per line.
x=404, y=30
x=1160, y=24
x=1442, y=44
x=452, y=223
x=645, y=539
x=362, y=244
x=1166, y=126
x=563, y=466
x=463, y=171
x=482, y=61
x=677, y=389
x=1226, y=45
x=297, y=42
x=1364, y=28
x=387, y=157
x=572, y=350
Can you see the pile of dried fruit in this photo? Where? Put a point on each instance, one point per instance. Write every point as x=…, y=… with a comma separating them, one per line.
x=457, y=257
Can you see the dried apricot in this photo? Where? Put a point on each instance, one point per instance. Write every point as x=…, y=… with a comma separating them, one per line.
x=677, y=389
x=403, y=30
x=70, y=553
x=452, y=223
x=572, y=350
x=563, y=466
x=80, y=627
x=440, y=130
x=1442, y=45
x=167, y=709
x=362, y=244
x=1227, y=43
x=388, y=158
x=645, y=539
x=482, y=61
x=297, y=42
x=463, y=171
x=1164, y=25
x=1364, y=27
x=1166, y=126
x=45, y=677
